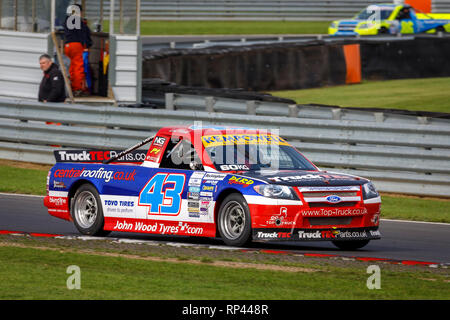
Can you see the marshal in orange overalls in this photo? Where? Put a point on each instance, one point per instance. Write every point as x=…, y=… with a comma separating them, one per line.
x=74, y=51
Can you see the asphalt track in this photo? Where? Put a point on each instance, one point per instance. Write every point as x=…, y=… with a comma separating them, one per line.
x=401, y=240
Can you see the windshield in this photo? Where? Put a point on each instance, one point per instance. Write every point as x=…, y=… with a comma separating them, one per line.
x=254, y=152
x=374, y=13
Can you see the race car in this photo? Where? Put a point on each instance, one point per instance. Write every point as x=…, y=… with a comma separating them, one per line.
x=391, y=19
x=239, y=184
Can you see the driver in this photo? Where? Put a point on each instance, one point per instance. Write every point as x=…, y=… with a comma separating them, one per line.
x=404, y=14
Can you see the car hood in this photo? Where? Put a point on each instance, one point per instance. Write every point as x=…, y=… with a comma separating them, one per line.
x=306, y=178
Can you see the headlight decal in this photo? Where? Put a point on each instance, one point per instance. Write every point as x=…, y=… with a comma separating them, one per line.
x=369, y=191
x=276, y=191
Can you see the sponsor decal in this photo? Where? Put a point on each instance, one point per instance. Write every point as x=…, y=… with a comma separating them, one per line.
x=242, y=139
x=195, y=182
x=152, y=159
x=316, y=234
x=59, y=185
x=297, y=178
x=157, y=227
x=193, y=195
x=211, y=182
x=214, y=176
x=193, y=214
x=208, y=188
x=193, y=204
x=119, y=203
x=375, y=219
x=206, y=194
x=333, y=199
x=351, y=234
x=267, y=235
x=101, y=173
x=159, y=141
x=330, y=234
x=279, y=221
x=92, y=156
x=309, y=234
x=154, y=151
x=273, y=235
x=334, y=212
x=194, y=189
x=310, y=177
x=58, y=201
x=234, y=167
x=204, y=206
x=375, y=233
x=240, y=180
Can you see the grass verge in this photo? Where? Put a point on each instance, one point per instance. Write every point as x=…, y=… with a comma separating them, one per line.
x=31, y=179
x=410, y=94
x=28, y=272
x=159, y=27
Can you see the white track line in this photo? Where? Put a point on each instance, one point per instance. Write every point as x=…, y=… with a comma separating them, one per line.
x=411, y=221
x=390, y=220
x=21, y=195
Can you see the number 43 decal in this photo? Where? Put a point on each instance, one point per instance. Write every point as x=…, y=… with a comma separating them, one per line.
x=162, y=194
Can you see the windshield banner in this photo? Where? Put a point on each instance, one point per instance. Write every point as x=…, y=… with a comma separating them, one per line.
x=242, y=139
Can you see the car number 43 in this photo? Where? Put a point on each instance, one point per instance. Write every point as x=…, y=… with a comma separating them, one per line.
x=162, y=193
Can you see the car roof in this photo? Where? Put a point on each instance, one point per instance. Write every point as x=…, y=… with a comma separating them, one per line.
x=208, y=130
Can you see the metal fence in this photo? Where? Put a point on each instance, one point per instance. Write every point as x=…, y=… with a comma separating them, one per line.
x=178, y=101
x=440, y=6
x=255, y=9
x=404, y=158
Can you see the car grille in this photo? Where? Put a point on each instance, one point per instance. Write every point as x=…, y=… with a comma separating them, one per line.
x=346, y=27
x=324, y=194
x=317, y=197
x=326, y=221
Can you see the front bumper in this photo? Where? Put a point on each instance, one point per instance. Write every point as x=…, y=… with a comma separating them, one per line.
x=323, y=234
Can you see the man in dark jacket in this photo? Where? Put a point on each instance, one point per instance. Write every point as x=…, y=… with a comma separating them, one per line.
x=52, y=85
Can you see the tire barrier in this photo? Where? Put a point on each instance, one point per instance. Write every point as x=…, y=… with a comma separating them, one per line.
x=308, y=64
x=256, y=68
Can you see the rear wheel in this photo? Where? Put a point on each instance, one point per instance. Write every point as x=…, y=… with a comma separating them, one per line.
x=351, y=244
x=234, y=222
x=87, y=213
x=383, y=30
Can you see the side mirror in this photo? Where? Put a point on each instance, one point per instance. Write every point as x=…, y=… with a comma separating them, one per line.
x=194, y=165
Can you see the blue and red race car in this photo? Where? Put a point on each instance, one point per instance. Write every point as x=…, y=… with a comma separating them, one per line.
x=239, y=184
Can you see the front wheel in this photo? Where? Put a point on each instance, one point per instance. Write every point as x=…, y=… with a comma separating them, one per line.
x=350, y=244
x=87, y=212
x=234, y=222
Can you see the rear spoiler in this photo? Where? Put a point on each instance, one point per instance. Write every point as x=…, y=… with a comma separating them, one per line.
x=100, y=156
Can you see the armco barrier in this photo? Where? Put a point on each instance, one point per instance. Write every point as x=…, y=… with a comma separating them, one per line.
x=404, y=158
x=179, y=101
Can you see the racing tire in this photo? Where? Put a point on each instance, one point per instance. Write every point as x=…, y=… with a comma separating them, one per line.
x=350, y=244
x=440, y=29
x=234, y=221
x=87, y=213
x=383, y=30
